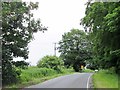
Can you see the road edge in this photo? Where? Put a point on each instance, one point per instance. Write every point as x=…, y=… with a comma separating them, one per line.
x=89, y=81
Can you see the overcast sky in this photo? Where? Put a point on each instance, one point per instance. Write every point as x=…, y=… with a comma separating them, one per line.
x=59, y=16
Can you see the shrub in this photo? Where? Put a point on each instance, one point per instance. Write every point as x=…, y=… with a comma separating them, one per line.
x=34, y=72
x=52, y=62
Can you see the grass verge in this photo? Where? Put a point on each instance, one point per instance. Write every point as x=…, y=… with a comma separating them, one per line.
x=34, y=75
x=88, y=71
x=105, y=79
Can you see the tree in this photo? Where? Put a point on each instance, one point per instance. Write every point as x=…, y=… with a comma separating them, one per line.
x=104, y=19
x=52, y=62
x=74, y=48
x=18, y=26
x=20, y=64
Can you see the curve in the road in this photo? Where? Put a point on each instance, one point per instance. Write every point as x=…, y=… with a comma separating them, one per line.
x=77, y=80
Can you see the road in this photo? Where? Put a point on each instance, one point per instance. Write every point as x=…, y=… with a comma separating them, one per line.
x=76, y=80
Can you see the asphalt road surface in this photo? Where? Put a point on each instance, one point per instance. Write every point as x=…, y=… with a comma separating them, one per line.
x=76, y=80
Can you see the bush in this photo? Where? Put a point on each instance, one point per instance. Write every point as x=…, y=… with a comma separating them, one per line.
x=34, y=72
x=111, y=70
x=10, y=74
x=67, y=70
x=51, y=62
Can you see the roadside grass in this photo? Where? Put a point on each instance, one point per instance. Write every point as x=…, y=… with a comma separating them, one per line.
x=35, y=75
x=105, y=79
x=88, y=71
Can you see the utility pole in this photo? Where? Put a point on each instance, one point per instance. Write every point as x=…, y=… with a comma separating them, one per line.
x=55, y=49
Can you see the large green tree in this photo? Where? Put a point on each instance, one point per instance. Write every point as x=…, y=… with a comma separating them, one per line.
x=18, y=26
x=103, y=19
x=74, y=48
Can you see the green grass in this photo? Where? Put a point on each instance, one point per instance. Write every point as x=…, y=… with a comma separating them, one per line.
x=34, y=72
x=35, y=75
x=105, y=79
x=88, y=71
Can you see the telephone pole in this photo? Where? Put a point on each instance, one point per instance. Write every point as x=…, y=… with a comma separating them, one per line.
x=55, y=49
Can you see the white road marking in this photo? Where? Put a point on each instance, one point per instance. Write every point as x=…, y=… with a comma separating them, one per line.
x=88, y=81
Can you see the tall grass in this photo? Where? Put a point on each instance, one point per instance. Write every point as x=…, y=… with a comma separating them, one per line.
x=67, y=71
x=34, y=72
x=34, y=75
x=105, y=79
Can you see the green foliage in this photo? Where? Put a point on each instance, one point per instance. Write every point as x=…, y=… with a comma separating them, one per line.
x=52, y=62
x=20, y=64
x=18, y=26
x=34, y=72
x=35, y=75
x=88, y=71
x=67, y=70
x=103, y=19
x=75, y=48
